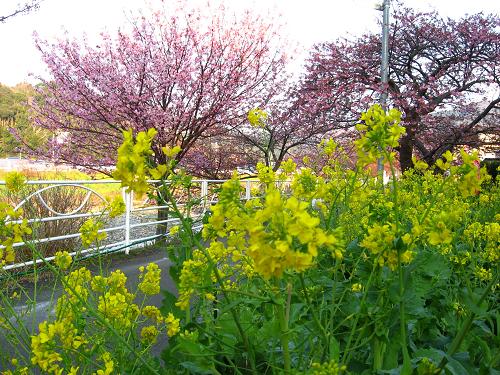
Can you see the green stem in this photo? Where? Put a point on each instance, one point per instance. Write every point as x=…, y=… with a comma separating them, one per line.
x=284, y=316
x=402, y=317
x=247, y=294
x=346, y=356
x=315, y=318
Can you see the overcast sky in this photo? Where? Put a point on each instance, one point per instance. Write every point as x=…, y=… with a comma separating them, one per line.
x=306, y=22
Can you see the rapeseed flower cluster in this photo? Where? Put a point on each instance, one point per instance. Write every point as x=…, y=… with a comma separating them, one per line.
x=265, y=174
x=163, y=170
x=75, y=330
x=257, y=117
x=89, y=232
x=327, y=368
x=277, y=233
x=306, y=184
x=149, y=335
x=53, y=338
x=197, y=273
x=356, y=287
x=381, y=242
x=108, y=364
x=446, y=161
x=468, y=174
x=115, y=302
x=134, y=165
x=174, y=230
x=484, y=247
x=117, y=310
x=116, y=207
x=491, y=237
x=379, y=130
x=284, y=235
x=150, y=280
x=190, y=279
x=173, y=325
x=15, y=182
x=287, y=168
x=133, y=160
x=63, y=260
x=153, y=313
x=440, y=234
x=76, y=285
x=11, y=231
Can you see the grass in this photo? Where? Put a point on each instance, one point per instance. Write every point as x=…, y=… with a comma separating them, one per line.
x=108, y=191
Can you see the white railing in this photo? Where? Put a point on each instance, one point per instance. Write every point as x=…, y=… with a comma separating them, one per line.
x=207, y=196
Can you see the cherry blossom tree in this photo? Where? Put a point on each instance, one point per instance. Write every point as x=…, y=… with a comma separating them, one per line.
x=188, y=73
x=443, y=75
x=286, y=131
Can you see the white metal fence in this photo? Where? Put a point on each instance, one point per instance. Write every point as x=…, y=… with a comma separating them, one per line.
x=205, y=190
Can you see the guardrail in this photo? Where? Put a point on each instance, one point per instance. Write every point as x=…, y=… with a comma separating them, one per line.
x=203, y=189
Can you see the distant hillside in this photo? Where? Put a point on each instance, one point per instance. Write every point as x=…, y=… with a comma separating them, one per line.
x=14, y=118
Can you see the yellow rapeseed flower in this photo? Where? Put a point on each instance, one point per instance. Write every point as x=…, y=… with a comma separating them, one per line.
x=149, y=335
x=63, y=259
x=89, y=232
x=15, y=181
x=116, y=207
x=173, y=325
x=174, y=230
x=357, y=287
x=150, y=280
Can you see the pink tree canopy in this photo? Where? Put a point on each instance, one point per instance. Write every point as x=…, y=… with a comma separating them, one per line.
x=190, y=73
x=443, y=75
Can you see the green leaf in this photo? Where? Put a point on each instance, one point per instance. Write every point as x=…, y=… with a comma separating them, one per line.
x=391, y=354
x=470, y=301
x=434, y=265
x=486, y=352
x=334, y=349
x=231, y=305
x=435, y=354
x=456, y=367
x=195, y=368
x=296, y=312
x=174, y=272
x=168, y=304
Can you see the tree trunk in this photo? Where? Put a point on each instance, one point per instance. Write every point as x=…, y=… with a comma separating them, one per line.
x=406, y=152
x=407, y=142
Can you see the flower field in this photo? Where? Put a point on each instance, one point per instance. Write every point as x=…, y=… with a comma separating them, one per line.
x=329, y=271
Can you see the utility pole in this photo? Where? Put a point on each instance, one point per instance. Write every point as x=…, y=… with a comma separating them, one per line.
x=384, y=67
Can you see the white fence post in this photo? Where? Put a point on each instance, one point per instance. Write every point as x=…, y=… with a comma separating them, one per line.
x=204, y=194
x=248, y=191
x=127, y=197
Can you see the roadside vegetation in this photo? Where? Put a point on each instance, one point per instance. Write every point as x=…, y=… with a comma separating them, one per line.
x=333, y=272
